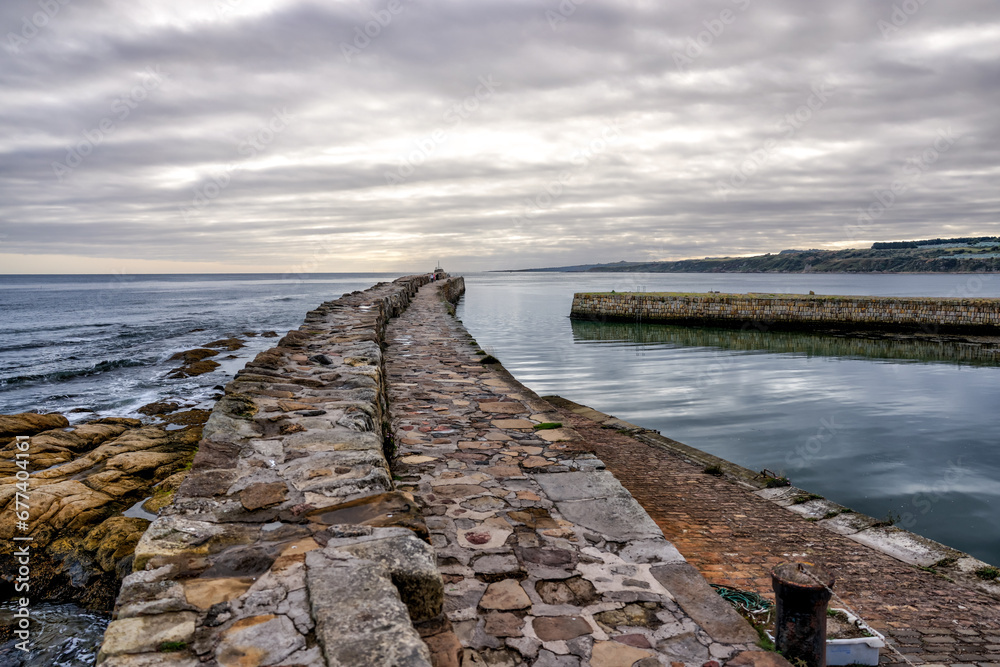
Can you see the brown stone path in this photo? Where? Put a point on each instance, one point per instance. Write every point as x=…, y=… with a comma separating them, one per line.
x=547, y=560
x=734, y=537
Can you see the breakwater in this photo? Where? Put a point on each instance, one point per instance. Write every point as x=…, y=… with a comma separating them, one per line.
x=795, y=311
x=286, y=543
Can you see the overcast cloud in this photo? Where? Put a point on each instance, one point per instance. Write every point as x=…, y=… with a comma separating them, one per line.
x=386, y=135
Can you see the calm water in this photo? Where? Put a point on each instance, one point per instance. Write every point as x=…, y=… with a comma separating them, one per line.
x=879, y=426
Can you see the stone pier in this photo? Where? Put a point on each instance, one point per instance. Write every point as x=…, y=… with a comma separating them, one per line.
x=490, y=540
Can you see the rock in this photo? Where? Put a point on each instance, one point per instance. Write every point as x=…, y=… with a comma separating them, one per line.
x=197, y=368
x=550, y=659
x=412, y=565
x=229, y=344
x=614, y=654
x=507, y=407
x=29, y=423
x=147, y=633
x=560, y=628
x=188, y=418
x=204, y=593
x=158, y=408
x=636, y=640
x=359, y=617
x=192, y=356
x=503, y=625
x=505, y=595
x=758, y=659
x=575, y=591
x=631, y=615
x=82, y=546
x=258, y=640
x=260, y=495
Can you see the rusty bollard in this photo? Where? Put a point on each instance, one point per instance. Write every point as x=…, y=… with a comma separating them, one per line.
x=802, y=591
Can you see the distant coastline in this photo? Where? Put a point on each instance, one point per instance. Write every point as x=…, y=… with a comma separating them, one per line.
x=957, y=255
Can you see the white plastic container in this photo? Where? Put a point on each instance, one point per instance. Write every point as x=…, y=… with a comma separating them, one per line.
x=857, y=651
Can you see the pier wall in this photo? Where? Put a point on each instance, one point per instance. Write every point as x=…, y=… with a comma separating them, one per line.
x=286, y=544
x=794, y=311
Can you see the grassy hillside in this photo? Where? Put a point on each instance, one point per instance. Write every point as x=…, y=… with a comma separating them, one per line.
x=937, y=255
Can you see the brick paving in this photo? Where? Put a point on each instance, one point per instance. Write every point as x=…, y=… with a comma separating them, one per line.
x=546, y=559
x=734, y=537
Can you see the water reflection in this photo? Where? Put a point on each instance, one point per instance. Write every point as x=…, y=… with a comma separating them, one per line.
x=805, y=344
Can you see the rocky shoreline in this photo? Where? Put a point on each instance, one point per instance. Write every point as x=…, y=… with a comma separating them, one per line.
x=83, y=478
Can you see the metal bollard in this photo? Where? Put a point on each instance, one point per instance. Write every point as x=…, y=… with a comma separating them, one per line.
x=802, y=591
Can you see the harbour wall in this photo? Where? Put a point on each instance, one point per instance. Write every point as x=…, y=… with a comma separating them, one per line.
x=286, y=543
x=795, y=311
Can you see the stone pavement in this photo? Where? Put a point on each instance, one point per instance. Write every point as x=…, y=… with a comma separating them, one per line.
x=733, y=536
x=547, y=560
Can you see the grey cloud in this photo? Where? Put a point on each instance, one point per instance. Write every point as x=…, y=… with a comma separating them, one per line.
x=407, y=102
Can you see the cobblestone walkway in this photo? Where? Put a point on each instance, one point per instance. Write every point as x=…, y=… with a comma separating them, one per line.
x=734, y=537
x=547, y=560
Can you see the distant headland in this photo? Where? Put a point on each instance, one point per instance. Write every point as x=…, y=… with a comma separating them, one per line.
x=956, y=255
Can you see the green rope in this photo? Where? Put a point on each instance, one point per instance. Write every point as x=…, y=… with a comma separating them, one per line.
x=745, y=600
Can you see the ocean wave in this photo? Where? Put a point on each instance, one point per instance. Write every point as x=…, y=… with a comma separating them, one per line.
x=96, y=369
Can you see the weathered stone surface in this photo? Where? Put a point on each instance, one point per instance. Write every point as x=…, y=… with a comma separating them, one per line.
x=560, y=628
x=618, y=517
x=412, y=565
x=29, y=423
x=82, y=546
x=615, y=654
x=203, y=593
x=147, y=633
x=575, y=591
x=582, y=486
x=716, y=616
x=631, y=615
x=547, y=658
x=258, y=640
x=503, y=625
x=508, y=407
x=360, y=619
x=492, y=564
x=513, y=423
x=758, y=659
x=258, y=496
x=505, y=595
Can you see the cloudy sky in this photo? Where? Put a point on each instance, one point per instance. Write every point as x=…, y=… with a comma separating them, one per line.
x=387, y=135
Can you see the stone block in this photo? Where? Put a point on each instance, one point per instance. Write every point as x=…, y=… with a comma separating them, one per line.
x=703, y=604
x=145, y=634
x=360, y=618
x=411, y=563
